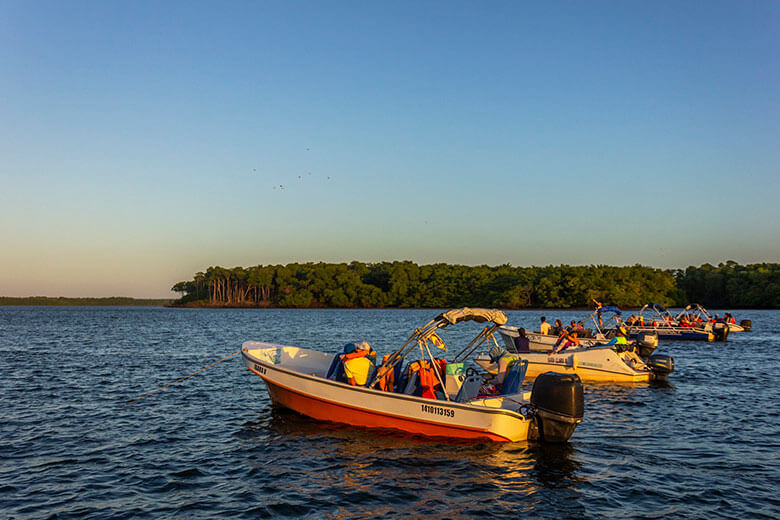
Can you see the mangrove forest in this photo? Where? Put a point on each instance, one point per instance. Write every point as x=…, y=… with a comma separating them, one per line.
x=404, y=284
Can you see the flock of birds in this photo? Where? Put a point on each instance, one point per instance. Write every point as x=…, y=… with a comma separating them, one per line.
x=281, y=186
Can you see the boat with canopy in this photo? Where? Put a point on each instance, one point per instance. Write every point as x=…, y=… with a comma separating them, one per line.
x=427, y=396
x=653, y=317
x=594, y=336
x=603, y=358
x=697, y=314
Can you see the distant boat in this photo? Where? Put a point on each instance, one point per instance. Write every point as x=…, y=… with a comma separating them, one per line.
x=595, y=359
x=695, y=313
x=656, y=318
x=304, y=380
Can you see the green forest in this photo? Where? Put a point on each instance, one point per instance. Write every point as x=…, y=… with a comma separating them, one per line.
x=404, y=284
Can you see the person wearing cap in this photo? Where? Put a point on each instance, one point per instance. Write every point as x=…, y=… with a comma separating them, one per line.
x=619, y=339
x=358, y=364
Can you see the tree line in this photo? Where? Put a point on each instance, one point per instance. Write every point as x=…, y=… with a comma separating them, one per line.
x=404, y=284
x=732, y=285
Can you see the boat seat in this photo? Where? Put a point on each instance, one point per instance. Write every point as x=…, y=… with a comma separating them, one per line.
x=401, y=377
x=469, y=389
x=514, y=377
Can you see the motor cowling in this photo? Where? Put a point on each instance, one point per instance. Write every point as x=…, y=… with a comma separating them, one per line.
x=559, y=403
x=746, y=324
x=720, y=330
x=646, y=343
x=661, y=365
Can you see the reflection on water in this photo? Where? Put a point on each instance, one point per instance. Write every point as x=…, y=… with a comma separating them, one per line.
x=414, y=472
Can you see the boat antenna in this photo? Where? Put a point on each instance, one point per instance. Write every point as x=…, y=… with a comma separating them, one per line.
x=181, y=379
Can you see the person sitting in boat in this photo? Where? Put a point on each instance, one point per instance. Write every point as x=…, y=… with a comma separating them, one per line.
x=504, y=359
x=619, y=339
x=730, y=318
x=557, y=328
x=544, y=328
x=521, y=341
x=566, y=340
x=358, y=364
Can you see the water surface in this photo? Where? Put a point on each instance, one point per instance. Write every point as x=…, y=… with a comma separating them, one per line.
x=703, y=446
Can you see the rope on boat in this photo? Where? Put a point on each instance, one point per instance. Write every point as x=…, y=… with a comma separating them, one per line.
x=182, y=378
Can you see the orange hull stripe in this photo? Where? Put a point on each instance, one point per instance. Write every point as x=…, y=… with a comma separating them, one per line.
x=324, y=410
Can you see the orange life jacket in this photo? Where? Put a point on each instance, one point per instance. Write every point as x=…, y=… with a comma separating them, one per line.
x=428, y=380
x=386, y=381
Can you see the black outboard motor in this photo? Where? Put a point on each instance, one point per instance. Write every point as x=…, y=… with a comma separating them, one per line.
x=646, y=343
x=746, y=324
x=661, y=365
x=559, y=403
x=720, y=330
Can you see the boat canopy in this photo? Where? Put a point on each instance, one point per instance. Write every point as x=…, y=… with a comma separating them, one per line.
x=657, y=307
x=466, y=314
x=609, y=308
x=427, y=334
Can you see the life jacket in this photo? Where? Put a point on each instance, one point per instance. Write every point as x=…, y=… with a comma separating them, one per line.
x=386, y=381
x=336, y=370
x=621, y=340
x=429, y=383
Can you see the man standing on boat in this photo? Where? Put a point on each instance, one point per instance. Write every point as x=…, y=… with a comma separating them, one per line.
x=544, y=328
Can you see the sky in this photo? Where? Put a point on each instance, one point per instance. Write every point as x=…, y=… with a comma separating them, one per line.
x=142, y=142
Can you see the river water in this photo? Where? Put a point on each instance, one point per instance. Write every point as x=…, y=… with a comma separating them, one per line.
x=706, y=445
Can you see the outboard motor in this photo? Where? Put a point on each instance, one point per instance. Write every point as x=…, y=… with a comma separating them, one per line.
x=560, y=405
x=720, y=330
x=661, y=366
x=646, y=343
x=746, y=324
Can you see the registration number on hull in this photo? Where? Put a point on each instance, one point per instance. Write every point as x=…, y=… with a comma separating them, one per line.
x=259, y=368
x=438, y=410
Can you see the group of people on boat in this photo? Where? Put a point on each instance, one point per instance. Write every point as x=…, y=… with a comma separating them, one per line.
x=357, y=366
x=685, y=321
x=557, y=329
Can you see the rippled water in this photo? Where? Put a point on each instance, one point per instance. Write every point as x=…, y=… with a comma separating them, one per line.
x=704, y=446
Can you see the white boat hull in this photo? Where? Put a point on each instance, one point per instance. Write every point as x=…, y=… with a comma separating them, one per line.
x=295, y=379
x=595, y=364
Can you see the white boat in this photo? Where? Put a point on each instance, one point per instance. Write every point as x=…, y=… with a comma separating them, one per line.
x=592, y=337
x=297, y=378
x=695, y=313
x=616, y=363
x=597, y=359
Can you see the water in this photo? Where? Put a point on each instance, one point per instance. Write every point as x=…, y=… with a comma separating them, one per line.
x=703, y=446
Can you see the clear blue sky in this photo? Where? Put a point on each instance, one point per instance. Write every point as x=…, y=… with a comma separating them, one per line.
x=141, y=142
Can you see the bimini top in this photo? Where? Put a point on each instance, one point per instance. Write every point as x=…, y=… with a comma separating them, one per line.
x=660, y=309
x=454, y=316
x=609, y=308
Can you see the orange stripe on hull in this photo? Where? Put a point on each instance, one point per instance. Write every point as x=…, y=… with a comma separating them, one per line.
x=334, y=412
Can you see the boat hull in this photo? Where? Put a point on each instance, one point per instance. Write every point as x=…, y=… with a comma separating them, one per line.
x=590, y=364
x=673, y=333
x=326, y=400
x=538, y=342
